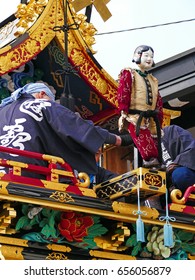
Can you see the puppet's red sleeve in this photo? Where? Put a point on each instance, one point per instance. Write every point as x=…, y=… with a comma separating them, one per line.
x=124, y=90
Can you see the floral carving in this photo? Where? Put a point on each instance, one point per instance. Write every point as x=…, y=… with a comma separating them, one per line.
x=73, y=226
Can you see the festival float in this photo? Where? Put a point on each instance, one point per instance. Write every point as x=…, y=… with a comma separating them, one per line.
x=45, y=219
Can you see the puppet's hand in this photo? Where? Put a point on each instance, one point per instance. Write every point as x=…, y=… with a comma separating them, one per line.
x=122, y=123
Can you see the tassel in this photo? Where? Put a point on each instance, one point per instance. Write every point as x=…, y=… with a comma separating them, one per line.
x=168, y=230
x=168, y=235
x=139, y=223
x=140, y=229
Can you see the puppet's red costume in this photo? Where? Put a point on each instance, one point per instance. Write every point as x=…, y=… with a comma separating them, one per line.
x=140, y=106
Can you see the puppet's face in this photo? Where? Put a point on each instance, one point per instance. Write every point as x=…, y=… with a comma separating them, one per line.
x=147, y=60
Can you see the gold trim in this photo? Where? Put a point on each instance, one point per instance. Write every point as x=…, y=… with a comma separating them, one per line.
x=110, y=256
x=56, y=247
x=62, y=197
x=6, y=215
x=13, y=241
x=110, y=215
x=11, y=252
x=177, y=207
x=24, y=243
x=53, y=159
x=176, y=197
x=3, y=186
x=130, y=209
x=56, y=256
x=5, y=49
x=168, y=115
x=40, y=35
x=1, y=255
x=85, y=180
x=191, y=257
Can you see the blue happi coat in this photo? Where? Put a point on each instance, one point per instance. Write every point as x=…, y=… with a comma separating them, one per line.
x=47, y=127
